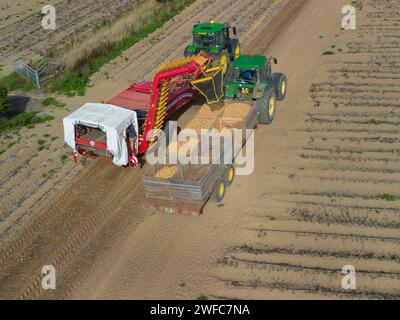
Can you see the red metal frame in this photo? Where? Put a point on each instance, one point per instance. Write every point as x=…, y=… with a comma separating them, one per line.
x=145, y=96
x=88, y=143
x=193, y=69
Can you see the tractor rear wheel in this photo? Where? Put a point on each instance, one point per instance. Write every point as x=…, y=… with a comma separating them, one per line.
x=279, y=82
x=266, y=107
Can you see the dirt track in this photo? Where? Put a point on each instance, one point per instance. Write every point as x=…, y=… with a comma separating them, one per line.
x=312, y=209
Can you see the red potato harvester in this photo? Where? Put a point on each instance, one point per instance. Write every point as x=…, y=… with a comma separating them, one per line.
x=126, y=126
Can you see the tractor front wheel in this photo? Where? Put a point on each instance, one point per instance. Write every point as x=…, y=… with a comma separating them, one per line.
x=279, y=82
x=223, y=61
x=266, y=107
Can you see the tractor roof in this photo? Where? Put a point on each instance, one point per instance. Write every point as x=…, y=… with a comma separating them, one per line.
x=249, y=62
x=208, y=27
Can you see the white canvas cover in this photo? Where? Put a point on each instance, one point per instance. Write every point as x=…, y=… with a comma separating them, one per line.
x=110, y=119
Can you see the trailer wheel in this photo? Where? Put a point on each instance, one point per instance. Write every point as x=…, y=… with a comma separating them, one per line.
x=230, y=176
x=219, y=192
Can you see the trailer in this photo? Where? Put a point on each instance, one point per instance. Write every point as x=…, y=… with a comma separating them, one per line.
x=192, y=185
x=252, y=83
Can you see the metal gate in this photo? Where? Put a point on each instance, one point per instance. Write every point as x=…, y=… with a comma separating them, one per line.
x=45, y=70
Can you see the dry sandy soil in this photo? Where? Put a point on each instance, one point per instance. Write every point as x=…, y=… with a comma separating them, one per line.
x=312, y=205
x=21, y=31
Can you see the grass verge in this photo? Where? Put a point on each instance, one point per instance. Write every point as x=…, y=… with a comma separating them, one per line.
x=26, y=119
x=14, y=82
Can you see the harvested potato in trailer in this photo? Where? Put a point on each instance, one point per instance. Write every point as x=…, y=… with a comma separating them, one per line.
x=166, y=172
x=199, y=124
x=195, y=184
x=239, y=110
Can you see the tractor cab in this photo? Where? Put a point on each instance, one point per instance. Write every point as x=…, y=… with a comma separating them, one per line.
x=214, y=39
x=249, y=78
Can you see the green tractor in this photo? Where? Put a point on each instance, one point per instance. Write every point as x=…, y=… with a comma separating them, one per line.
x=214, y=39
x=251, y=79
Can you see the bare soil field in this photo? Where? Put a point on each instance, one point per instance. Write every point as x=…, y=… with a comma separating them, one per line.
x=314, y=203
x=321, y=203
x=21, y=31
x=14, y=10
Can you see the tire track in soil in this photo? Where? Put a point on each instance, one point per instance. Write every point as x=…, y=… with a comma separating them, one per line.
x=69, y=218
x=348, y=130
x=73, y=17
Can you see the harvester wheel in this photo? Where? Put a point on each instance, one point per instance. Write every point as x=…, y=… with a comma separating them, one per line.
x=266, y=107
x=279, y=82
x=223, y=61
x=230, y=176
x=219, y=192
